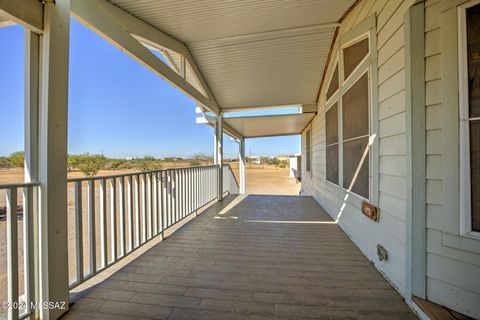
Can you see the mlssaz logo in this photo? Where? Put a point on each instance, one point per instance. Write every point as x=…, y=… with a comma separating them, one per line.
x=48, y=305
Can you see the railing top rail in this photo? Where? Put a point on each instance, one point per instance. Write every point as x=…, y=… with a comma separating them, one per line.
x=19, y=185
x=133, y=173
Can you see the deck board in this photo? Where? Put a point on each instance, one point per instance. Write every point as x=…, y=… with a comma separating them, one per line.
x=254, y=257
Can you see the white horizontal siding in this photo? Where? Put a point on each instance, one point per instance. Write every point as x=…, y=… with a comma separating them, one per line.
x=453, y=275
x=390, y=230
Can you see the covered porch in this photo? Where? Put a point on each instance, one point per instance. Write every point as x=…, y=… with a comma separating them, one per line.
x=245, y=256
x=248, y=257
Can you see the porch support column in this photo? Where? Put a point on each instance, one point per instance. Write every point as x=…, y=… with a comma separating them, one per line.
x=30, y=227
x=219, y=155
x=52, y=158
x=241, y=159
x=416, y=222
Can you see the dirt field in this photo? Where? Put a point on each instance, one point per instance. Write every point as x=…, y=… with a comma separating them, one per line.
x=268, y=179
x=259, y=180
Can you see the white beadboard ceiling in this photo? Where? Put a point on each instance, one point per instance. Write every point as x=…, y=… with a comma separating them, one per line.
x=252, y=53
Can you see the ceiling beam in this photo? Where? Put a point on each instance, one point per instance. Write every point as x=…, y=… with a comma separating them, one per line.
x=155, y=37
x=94, y=15
x=28, y=13
x=307, y=108
x=210, y=121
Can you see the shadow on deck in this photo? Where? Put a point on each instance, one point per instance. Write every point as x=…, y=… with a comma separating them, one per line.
x=254, y=257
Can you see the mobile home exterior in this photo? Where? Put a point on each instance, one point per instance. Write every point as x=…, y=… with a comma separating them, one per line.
x=389, y=106
x=392, y=129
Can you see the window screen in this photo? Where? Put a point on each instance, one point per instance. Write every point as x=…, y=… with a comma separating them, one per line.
x=355, y=166
x=331, y=119
x=355, y=109
x=308, y=148
x=473, y=56
x=353, y=55
x=355, y=130
x=333, y=87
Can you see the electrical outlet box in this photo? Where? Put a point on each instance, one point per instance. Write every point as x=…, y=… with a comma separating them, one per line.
x=382, y=253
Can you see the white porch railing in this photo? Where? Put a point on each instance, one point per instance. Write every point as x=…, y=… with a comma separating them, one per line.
x=112, y=217
x=18, y=286
x=133, y=209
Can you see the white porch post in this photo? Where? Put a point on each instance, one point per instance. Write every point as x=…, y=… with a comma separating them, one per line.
x=241, y=159
x=30, y=227
x=52, y=158
x=219, y=155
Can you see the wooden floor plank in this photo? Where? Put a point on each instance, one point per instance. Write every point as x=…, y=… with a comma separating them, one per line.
x=254, y=257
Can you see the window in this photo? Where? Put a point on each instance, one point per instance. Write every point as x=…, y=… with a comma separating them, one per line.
x=470, y=115
x=347, y=119
x=308, y=148
x=333, y=87
x=332, y=143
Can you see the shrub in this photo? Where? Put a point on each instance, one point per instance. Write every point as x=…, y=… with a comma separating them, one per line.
x=147, y=163
x=118, y=164
x=282, y=164
x=88, y=164
x=73, y=161
x=4, y=163
x=17, y=159
x=194, y=162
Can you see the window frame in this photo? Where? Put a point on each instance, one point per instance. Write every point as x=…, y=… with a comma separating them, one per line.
x=366, y=65
x=308, y=150
x=465, y=210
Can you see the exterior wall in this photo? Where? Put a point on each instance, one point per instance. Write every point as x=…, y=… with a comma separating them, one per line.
x=453, y=269
x=453, y=262
x=391, y=188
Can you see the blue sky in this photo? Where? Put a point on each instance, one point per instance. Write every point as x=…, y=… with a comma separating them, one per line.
x=116, y=106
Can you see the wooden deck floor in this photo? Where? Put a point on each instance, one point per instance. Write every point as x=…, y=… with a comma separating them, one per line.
x=254, y=257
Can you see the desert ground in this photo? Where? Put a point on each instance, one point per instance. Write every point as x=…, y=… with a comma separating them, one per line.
x=260, y=179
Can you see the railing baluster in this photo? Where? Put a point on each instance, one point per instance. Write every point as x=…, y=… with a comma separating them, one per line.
x=144, y=208
x=113, y=218
x=130, y=211
x=189, y=197
x=91, y=227
x=78, y=230
x=103, y=221
x=123, y=231
x=12, y=252
x=150, y=206
x=197, y=188
x=162, y=201
x=174, y=196
x=185, y=192
x=179, y=194
x=184, y=196
x=137, y=211
x=29, y=248
x=155, y=204
x=211, y=182
x=173, y=187
x=168, y=193
x=203, y=188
